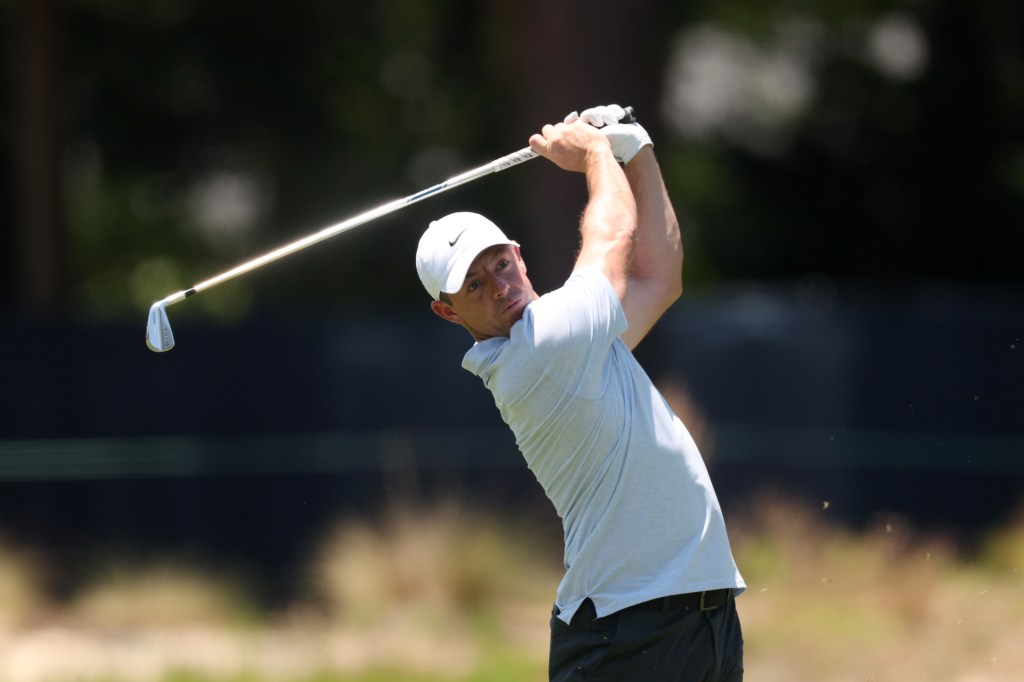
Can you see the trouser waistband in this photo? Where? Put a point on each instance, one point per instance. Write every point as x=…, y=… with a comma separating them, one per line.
x=705, y=601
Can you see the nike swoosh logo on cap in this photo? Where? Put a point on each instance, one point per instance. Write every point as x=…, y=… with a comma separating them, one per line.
x=451, y=242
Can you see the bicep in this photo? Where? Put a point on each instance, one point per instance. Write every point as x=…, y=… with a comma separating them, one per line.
x=610, y=259
x=573, y=328
x=644, y=304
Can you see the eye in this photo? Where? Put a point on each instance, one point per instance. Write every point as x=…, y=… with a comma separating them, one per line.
x=473, y=285
x=503, y=263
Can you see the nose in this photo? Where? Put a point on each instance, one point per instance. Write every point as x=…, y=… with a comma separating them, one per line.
x=499, y=286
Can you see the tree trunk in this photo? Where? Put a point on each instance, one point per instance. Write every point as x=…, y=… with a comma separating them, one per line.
x=557, y=57
x=39, y=234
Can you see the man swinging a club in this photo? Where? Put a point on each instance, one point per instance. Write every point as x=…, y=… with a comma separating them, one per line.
x=649, y=585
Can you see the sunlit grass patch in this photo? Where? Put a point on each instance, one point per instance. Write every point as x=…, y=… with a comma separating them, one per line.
x=22, y=595
x=441, y=565
x=883, y=603
x=458, y=594
x=1003, y=549
x=125, y=593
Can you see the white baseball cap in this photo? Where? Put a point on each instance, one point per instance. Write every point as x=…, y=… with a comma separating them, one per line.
x=448, y=248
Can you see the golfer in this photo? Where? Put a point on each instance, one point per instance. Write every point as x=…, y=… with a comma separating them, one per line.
x=649, y=585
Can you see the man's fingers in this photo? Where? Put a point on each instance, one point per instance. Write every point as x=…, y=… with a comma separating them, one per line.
x=538, y=143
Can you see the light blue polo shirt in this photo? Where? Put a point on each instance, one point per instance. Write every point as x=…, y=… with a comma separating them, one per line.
x=640, y=517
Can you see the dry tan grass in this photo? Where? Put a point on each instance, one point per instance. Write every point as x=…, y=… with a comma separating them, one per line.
x=168, y=593
x=885, y=604
x=441, y=589
x=446, y=567
x=22, y=594
x=446, y=591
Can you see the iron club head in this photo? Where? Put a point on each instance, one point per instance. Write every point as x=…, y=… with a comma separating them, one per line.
x=159, y=337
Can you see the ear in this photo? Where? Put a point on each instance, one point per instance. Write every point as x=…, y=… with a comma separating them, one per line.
x=445, y=312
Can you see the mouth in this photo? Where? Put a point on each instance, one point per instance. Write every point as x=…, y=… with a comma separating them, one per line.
x=515, y=308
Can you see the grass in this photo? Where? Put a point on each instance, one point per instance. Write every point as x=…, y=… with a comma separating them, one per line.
x=883, y=604
x=21, y=590
x=123, y=594
x=450, y=594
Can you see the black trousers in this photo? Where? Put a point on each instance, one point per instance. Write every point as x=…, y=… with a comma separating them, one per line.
x=651, y=642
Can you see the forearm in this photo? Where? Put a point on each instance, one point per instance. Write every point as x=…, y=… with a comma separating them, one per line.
x=629, y=228
x=608, y=225
x=658, y=253
x=655, y=278
x=611, y=211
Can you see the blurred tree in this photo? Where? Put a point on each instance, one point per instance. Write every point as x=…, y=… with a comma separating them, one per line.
x=901, y=161
x=867, y=138
x=38, y=264
x=200, y=133
x=554, y=58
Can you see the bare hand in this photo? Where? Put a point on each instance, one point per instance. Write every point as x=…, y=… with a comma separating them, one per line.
x=568, y=145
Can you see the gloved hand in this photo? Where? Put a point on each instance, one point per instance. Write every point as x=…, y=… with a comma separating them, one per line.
x=599, y=116
x=626, y=138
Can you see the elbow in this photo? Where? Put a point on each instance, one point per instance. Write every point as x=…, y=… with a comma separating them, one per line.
x=677, y=269
x=674, y=281
x=676, y=291
x=673, y=292
x=669, y=291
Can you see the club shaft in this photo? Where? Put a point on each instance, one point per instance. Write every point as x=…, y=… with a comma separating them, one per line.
x=495, y=166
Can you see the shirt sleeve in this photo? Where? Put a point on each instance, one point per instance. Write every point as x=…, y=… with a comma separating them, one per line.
x=570, y=331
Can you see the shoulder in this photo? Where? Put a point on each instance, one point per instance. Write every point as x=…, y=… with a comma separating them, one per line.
x=587, y=288
x=591, y=283
x=585, y=306
x=583, y=312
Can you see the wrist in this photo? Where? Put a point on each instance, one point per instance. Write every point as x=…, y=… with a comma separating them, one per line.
x=600, y=151
x=642, y=157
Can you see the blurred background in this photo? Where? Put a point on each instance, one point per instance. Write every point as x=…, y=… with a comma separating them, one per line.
x=309, y=487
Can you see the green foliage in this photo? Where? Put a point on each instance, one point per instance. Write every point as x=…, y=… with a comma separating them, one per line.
x=330, y=108
x=325, y=104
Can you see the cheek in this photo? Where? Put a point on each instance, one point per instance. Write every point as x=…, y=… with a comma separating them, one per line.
x=476, y=310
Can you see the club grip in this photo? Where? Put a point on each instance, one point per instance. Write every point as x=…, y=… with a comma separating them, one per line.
x=629, y=116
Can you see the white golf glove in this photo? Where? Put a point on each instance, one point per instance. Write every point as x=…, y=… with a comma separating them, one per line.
x=626, y=138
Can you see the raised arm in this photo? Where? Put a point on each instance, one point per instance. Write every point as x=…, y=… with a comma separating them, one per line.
x=609, y=224
x=655, y=277
x=656, y=272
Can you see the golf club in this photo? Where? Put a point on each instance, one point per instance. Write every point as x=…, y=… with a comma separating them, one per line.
x=159, y=337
